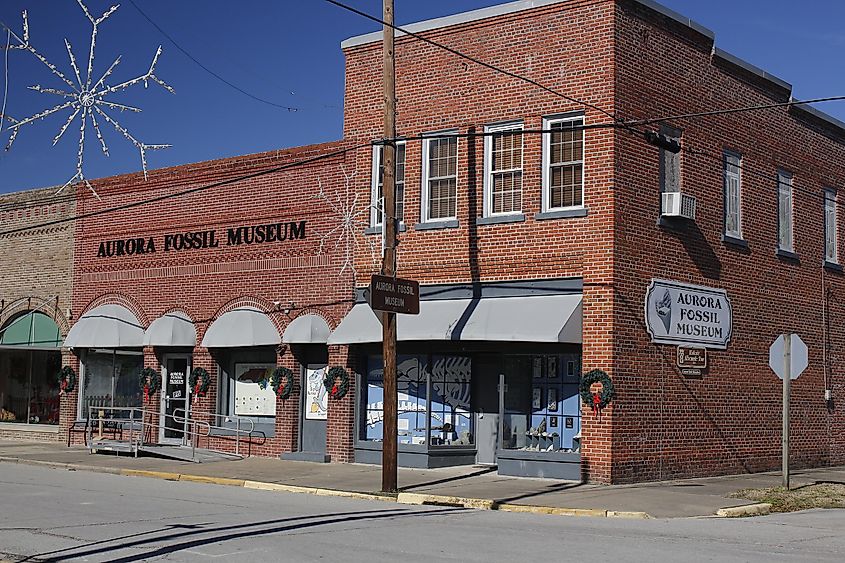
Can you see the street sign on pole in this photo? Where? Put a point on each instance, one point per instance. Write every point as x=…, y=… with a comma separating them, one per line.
x=396, y=295
x=788, y=359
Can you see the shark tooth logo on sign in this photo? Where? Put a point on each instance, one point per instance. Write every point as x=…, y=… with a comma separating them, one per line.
x=686, y=314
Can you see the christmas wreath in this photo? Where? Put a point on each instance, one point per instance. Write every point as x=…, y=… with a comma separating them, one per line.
x=150, y=382
x=199, y=381
x=67, y=380
x=336, y=382
x=282, y=382
x=597, y=400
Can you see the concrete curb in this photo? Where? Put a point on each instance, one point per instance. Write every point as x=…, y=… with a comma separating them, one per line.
x=401, y=498
x=759, y=509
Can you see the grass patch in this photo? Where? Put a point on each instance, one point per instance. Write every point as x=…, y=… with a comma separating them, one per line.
x=822, y=495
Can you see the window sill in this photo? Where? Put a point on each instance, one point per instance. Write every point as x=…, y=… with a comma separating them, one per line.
x=733, y=241
x=35, y=427
x=561, y=214
x=377, y=229
x=833, y=267
x=498, y=219
x=787, y=254
x=434, y=225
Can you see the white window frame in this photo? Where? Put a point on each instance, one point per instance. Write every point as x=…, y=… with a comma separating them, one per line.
x=377, y=203
x=548, y=122
x=831, y=226
x=785, y=178
x=729, y=175
x=424, y=201
x=488, y=167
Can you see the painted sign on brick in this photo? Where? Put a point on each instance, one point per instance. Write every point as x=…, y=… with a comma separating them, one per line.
x=679, y=313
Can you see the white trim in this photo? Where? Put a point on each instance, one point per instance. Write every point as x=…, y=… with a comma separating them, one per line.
x=548, y=122
x=376, y=203
x=488, y=167
x=785, y=178
x=424, y=195
x=726, y=176
x=830, y=198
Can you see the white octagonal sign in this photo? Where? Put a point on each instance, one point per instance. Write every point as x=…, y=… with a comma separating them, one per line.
x=799, y=357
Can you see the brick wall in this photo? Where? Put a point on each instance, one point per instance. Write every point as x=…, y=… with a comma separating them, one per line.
x=302, y=275
x=36, y=263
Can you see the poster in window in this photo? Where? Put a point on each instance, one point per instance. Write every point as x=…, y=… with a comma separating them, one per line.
x=537, y=400
x=316, y=396
x=538, y=367
x=250, y=398
x=552, y=367
x=551, y=400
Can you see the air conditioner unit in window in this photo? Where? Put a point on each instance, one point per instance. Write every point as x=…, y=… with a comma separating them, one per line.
x=677, y=204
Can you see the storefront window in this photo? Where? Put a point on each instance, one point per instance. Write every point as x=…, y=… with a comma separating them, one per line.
x=29, y=365
x=542, y=408
x=110, y=379
x=450, y=421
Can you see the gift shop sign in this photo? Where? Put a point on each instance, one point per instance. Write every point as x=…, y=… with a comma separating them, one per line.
x=691, y=315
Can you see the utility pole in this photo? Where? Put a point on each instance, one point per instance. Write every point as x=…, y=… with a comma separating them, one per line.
x=388, y=319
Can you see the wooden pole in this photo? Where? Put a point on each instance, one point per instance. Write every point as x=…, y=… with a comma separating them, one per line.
x=389, y=445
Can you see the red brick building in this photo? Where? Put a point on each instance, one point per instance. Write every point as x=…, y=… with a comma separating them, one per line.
x=550, y=239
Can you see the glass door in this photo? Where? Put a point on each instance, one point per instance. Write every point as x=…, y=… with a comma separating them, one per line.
x=174, y=399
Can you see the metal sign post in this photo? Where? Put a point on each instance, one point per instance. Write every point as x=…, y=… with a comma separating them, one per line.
x=788, y=358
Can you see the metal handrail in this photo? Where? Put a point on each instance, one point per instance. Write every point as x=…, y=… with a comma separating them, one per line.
x=136, y=435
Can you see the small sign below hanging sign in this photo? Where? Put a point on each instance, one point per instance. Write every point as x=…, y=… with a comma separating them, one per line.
x=692, y=358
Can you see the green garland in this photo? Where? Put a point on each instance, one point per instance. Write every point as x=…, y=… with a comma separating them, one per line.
x=67, y=380
x=282, y=382
x=199, y=381
x=596, y=400
x=150, y=382
x=337, y=389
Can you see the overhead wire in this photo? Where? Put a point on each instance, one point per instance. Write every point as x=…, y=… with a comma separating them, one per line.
x=188, y=191
x=208, y=70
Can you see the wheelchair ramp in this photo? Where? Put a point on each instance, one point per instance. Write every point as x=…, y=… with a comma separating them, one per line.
x=186, y=453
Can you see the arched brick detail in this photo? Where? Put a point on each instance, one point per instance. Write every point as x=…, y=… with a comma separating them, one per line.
x=330, y=319
x=31, y=303
x=123, y=301
x=264, y=305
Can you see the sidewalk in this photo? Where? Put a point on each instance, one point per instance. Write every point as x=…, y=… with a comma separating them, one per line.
x=472, y=486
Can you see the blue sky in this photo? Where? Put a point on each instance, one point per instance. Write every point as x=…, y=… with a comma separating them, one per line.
x=288, y=52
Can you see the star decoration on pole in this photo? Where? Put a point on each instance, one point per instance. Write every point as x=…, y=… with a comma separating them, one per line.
x=85, y=97
x=352, y=216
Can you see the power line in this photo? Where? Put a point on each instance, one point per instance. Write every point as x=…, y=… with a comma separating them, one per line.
x=184, y=192
x=208, y=70
x=731, y=110
x=472, y=59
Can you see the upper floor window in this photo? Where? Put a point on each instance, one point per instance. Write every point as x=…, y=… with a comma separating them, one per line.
x=733, y=195
x=378, y=183
x=440, y=178
x=563, y=163
x=503, y=170
x=785, y=211
x=670, y=163
x=830, y=238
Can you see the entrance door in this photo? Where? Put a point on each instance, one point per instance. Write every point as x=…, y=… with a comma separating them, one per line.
x=315, y=402
x=487, y=420
x=174, y=399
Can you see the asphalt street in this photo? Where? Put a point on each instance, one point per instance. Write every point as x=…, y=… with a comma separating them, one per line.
x=51, y=514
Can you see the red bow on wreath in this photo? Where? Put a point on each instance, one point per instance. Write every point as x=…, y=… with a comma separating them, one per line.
x=146, y=392
x=197, y=391
x=335, y=390
x=597, y=405
x=62, y=386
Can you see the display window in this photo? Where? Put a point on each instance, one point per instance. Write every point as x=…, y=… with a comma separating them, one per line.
x=110, y=379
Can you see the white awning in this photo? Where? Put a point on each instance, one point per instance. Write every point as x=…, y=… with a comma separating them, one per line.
x=242, y=327
x=106, y=326
x=307, y=329
x=171, y=329
x=544, y=318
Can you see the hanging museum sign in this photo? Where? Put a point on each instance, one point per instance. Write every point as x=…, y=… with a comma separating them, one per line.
x=198, y=240
x=685, y=314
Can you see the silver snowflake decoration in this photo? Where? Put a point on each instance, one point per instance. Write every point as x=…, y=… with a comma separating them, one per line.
x=85, y=97
x=353, y=217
